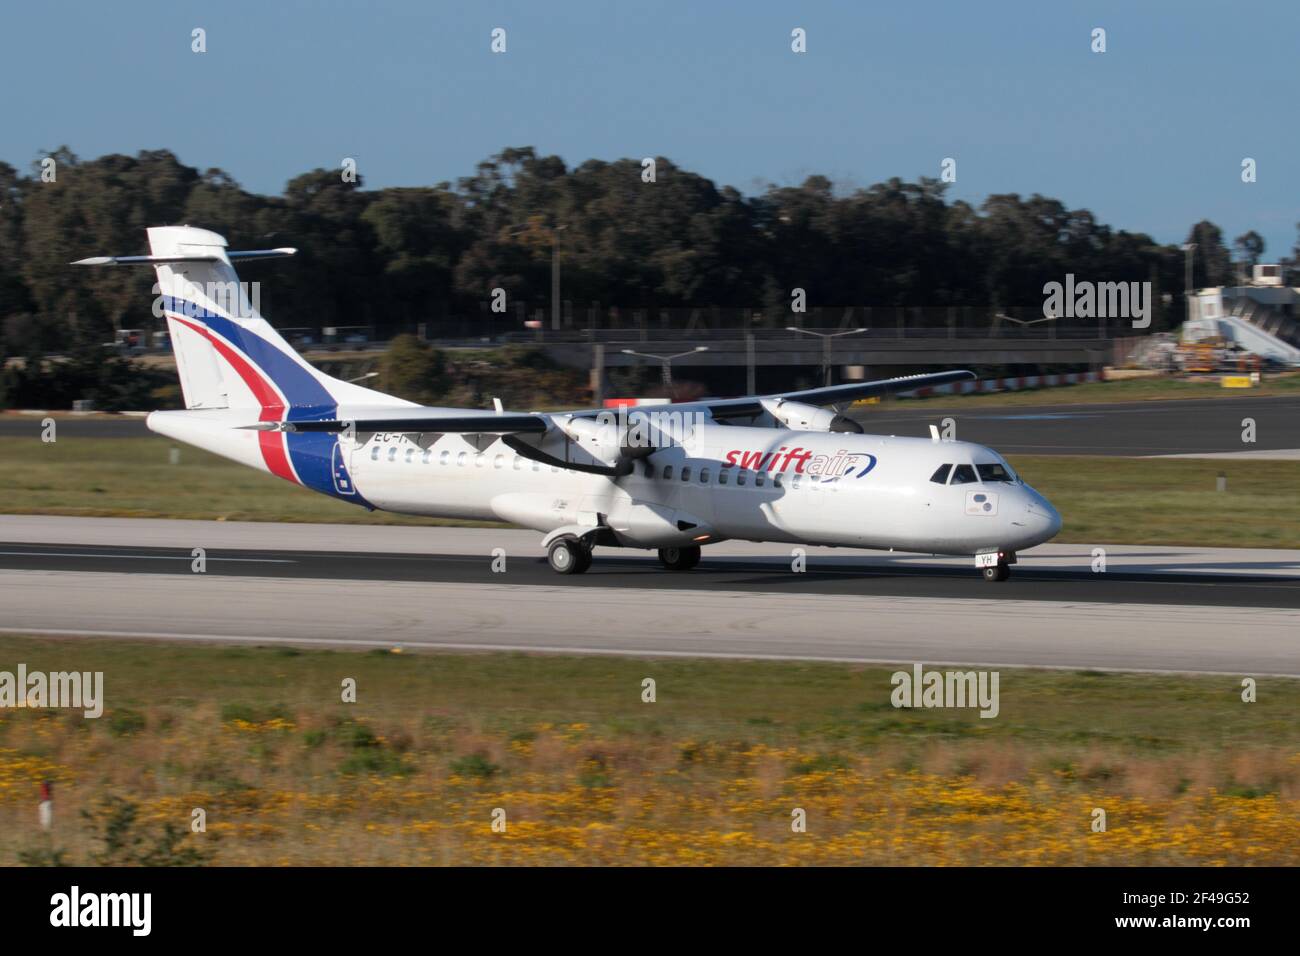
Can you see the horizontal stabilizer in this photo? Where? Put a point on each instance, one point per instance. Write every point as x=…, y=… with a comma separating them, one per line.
x=237, y=255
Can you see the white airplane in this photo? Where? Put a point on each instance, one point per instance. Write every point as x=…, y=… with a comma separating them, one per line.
x=771, y=468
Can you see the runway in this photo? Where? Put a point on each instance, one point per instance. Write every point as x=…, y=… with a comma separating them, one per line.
x=1159, y=609
x=825, y=573
x=1183, y=427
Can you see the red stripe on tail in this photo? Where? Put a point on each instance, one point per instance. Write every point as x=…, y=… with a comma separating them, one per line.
x=271, y=443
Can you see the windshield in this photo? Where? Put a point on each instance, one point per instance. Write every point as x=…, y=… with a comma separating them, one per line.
x=963, y=475
x=995, y=471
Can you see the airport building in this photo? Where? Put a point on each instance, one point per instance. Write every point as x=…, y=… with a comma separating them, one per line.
x=1261, y=317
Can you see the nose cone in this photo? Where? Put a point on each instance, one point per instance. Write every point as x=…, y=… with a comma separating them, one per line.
x=1043, y=518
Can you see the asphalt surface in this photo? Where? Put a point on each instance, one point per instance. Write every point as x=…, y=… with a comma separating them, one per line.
x=773, y=575
x=649, y=623
x=1206, y=610
x=1137, y=428
x=1134, y=429
x=29, y=426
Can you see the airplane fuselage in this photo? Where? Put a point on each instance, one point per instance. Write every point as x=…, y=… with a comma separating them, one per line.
x=720, y=482
x=757, y=484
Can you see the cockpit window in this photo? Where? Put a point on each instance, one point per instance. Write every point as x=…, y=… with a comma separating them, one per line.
x=963, y=475
x=995, y=471
x=940, y=477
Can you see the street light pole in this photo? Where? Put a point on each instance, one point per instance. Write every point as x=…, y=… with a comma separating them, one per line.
x=1188, y=248
x=826, y=346
x=519, y=229
x=555, y=277
x=666, y=362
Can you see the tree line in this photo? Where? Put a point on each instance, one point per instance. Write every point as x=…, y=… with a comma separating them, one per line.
x=393, y=259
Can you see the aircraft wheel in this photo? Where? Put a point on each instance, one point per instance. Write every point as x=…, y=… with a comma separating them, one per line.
x=999, y=572
x=584, y=554
x=679, y=559
x=567, y=555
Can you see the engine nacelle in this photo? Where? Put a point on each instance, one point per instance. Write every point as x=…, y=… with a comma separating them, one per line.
x=601, y=440
x=606, y=437
x=808, y=418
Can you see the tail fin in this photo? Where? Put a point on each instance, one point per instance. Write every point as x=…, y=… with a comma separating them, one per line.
x=227, y=355
x=182, y=285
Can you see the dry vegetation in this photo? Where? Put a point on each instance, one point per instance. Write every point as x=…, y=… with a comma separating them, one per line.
x=588, y=773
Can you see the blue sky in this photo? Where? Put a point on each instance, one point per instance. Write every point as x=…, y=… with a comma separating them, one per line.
x=1149, y=135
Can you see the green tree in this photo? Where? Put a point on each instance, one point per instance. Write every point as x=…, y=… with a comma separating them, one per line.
x=1211, y=263
x=412, y=370
x=1249, y=247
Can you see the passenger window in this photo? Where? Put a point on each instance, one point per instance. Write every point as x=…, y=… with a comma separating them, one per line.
x=498, y=462
x=940, y=477
x=519, y=463
x=668, y=472
x=428, y=453
x=722, y=476
x=777, y=480
x=460, y=459
x=444, y=458
x=686, y=473
x=374, y=453
x=537, y=466
x=963, y=475
x=410, y=455
x=794, y=485
x=741, y=476
x=478, y=460
x=649, y=470
x=392, y=453
x=758, y=479
x=704, y=476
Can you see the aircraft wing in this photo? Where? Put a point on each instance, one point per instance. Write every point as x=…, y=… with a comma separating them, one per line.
x=832, y=394
x=487, y=423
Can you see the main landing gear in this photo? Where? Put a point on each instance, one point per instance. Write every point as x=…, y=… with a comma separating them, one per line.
x=568, y=555
x=679, y=559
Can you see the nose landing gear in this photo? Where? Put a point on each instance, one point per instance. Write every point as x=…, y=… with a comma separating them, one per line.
x=995, y=565
x=999, y=572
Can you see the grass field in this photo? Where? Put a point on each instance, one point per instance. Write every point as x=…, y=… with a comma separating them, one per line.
x=586, y=772
x=1170, y=501
x=1107, y=500
x=132, y=477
